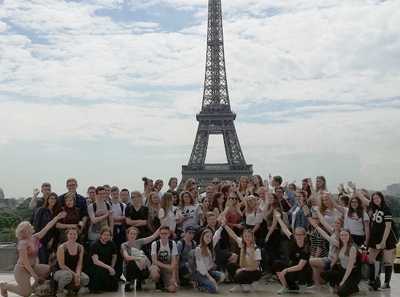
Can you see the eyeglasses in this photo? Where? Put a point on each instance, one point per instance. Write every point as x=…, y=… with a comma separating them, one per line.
x=299, y=234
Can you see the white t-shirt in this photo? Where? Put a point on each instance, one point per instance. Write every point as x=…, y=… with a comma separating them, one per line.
x=354, y=224
x=168, y=219
x=164, y=254
x=254, y=218
x=191, y=215
x=117, y=210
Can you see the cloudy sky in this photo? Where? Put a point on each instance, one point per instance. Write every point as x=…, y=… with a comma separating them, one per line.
x=107, y=90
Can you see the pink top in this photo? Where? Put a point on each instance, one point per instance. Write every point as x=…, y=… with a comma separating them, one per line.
x=32, y=249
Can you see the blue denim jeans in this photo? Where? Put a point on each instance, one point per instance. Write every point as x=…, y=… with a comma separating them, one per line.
x=205, y=284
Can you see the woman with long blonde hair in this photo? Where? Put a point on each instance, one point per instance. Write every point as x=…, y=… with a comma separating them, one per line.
x=28, y=264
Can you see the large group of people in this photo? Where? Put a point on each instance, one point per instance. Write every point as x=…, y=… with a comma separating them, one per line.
x=232, y=231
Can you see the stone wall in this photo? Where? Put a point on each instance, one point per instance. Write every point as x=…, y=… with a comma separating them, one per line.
x=8, y=256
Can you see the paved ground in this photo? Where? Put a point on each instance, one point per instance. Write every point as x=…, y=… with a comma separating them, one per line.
x=262, y=290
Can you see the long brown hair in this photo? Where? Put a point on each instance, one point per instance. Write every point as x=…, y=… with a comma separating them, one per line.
x=349, y=243
x=359, y=210
x=251, y=249
x=206, y=249
x=181, y=202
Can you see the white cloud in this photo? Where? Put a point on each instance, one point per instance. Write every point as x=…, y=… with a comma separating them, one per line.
x=69, y=74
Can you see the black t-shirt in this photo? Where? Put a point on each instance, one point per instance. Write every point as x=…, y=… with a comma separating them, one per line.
x=297, y=253
x=380, y=216
x=141, y=214
x=104, y=251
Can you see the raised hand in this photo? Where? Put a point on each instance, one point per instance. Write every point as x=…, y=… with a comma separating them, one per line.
x=35, y=192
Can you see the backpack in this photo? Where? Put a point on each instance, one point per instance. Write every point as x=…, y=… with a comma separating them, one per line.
x=170, y=244
x=184, y=245
x=107, y=205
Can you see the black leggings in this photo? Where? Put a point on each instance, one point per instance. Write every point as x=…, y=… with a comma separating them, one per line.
x=335, y=276
x=133, y=272
x=247, y=277
x=101, y=280
x=293, y=279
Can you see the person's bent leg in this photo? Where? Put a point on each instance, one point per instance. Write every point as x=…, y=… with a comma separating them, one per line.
x=22, y=277
x=205, y=284
x=350, y=286
x=388, y=258
x=84, y=279
x=63, y=279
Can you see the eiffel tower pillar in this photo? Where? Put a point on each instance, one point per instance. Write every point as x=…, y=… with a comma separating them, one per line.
x=216, y=116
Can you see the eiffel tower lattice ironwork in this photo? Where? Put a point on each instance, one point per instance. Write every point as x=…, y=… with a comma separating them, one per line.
x=216, y=116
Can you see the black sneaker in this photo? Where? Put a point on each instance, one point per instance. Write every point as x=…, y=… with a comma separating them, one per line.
x=373, y=285
x=128, y=287
x=385, y=286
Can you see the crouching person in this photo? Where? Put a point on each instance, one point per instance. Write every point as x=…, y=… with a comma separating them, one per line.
x=164, y=257
x=298, y=270
x=104, y=256
x=248, y=270
x=69, y=261
x=185, y=248
x=345, y=277
x=206, y=277
x=136, y=264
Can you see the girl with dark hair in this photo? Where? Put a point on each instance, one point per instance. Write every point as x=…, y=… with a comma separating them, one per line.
x=345, y=276
x=382, y=239
x=320, y=184
x=104, y=256
x=297, y=214
x=306, y=187
x=206, y=276
x=190, y=211
x=232, y=213
x=172, y=184
x=257, y=182
x=249, y=259
x=356, y=220
x=218, y=203
x=43, y=216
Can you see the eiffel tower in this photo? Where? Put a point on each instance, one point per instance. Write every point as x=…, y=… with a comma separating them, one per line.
x=216, y=116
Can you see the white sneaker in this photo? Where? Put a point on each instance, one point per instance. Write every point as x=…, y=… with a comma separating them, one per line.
x=246, y=288
x=83, y=290
x=236, y=288
x=253, y=287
